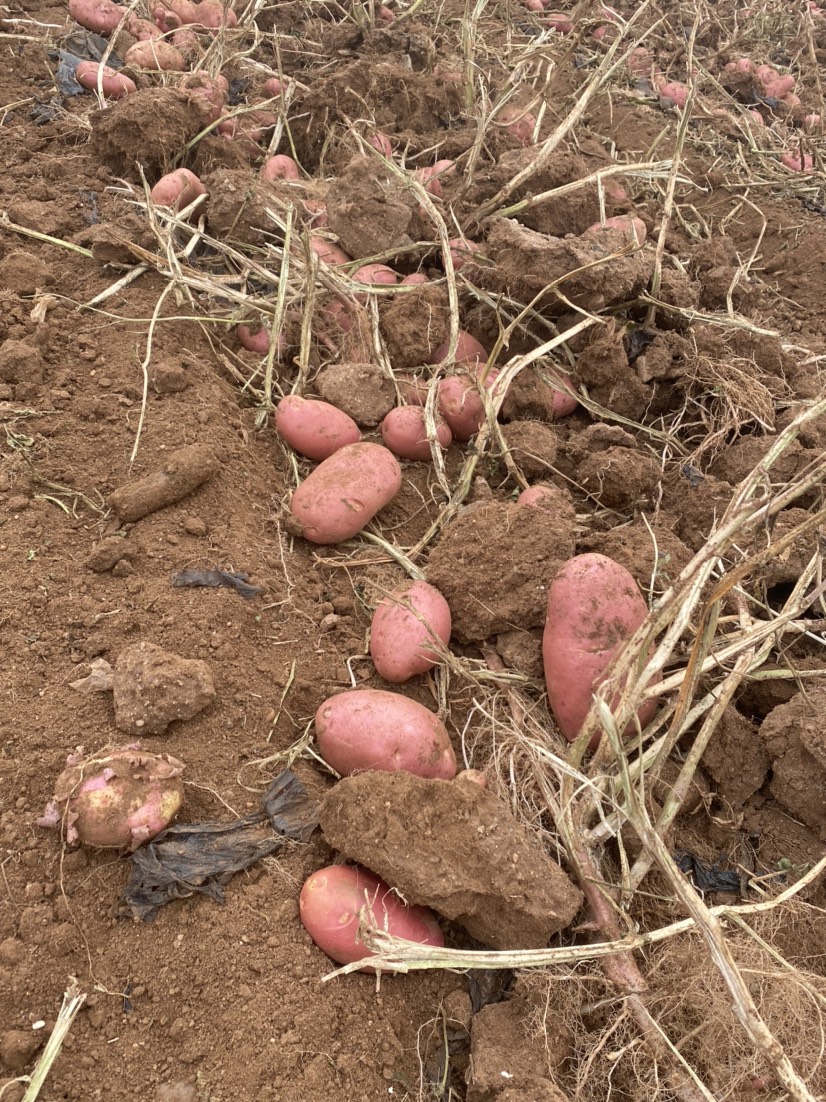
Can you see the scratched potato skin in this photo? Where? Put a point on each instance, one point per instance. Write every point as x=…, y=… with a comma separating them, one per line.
x=594, y=606
x=345, y=492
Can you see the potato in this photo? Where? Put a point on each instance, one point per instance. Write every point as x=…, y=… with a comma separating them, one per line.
x=345, y=492
x=793, y=161
x=461, y=405
x=113, y=84
x=428, y=177
x=417, y=278
x=213, y=15
x=594, y=605
x=772, y=83
x=675, y=91
x=280, y=167
x=518, y=122
x=628, y=224
x=413, y=388
x=314, y=428
x=331, y=254
x=382, y=143
x=742, y=65
x=254, y=340
x=560, y=22
x=332, y=900
x=141, y=29
x=468, y=351
x=406, y=630
x=155, y=54
x=206, y=90
x=540, y=497
x=338, y=314
x=317, y=212
x=272, y=87
x=101, y=16
x=462, y=252
x=403, y=431
x=177, y=189
x=377, y=274
x=374, y=729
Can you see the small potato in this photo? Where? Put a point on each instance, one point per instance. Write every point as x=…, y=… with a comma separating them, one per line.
x=382, y=143
x=316, y=211
x=461, y=405
x=629, y=224
x=113, y=84
x=333, y=899
x=403, y=431
x=793, y=161
x=155, y=54
x=177, y=189
x=772, y=82
x=518, y=122
x=101, y=16
x=407, y=630
x=562, y=404
x=338, y=314
x=345, y=492
x=639, y=61
x=675, y=92
x=373, y=729
x=472, y=776
x=280, y=167
x=386, y=15
x=418, y=278
x=462, y=252
x=213, y=15
x=254, y=340
x=428, y=177
x=141, y=29
x=560, y=22
x=742, y=65
x=187, y=41
x=314, y=428
x=206, y=90
x=378, y=274
x=541, y=497
x=331, y=254
x=468, y=351
x=594, y=606
x=272, y=87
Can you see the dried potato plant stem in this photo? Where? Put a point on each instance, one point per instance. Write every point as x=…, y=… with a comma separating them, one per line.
x=605, y=70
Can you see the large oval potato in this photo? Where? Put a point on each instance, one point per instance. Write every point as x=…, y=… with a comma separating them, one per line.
x=406, y=629
x=404, y=432
x=314, y=428
x=594, y=606
x=330, y=904
x=100, y=16
x=468, y=351
x=114, y=85
x=155, y=54
x=345, y=492
x=177, y=189
x=374, y=729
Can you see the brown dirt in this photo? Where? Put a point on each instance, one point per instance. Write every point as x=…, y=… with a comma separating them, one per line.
x=215, y=1003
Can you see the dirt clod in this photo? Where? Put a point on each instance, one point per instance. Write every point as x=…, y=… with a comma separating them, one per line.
x=148, y=128
x=184, y=471
x=18, y=1047
x=154, y=688
x=455, y=848
x=361, y=390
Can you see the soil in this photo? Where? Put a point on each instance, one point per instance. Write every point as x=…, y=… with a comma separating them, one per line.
x=137, y=442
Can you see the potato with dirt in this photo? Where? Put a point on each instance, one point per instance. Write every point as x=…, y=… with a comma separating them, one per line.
x=404, y=431
x=409, y=631
x=375, y=729
x=333, y=901
x=314, y=428
x=594, y=607
x=344, y=493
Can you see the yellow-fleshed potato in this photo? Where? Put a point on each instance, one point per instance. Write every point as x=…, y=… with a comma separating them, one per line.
x=373, y=729
x=594, y=606
x=314, y=428
x=345, y=492
x=408, y=631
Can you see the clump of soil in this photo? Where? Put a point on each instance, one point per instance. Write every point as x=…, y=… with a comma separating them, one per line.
x=532, y=446
x=621, y=478
x=153, y=688
x=361, y=390
x=414, y=324
x=794, y=738
x=371, y=211
x=455, y=847
x=494, y=565
x=148, y=128
x=239, y=201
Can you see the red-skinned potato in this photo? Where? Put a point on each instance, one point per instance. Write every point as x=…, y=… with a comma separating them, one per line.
x=314, y=428
x=379, y=274
x=331, y=254
x=141, y=29
x=428, y=177
x=333, y=899
x=187, y=41
x=212, y=15
x=371, y=729
x=345, y=492
x=155, y=54
x=461, y=405
x=407, y=628
x=560, y=22
x=594, y=606
x=794, y=162
x=629, y=224
x=101, y=16
x=207, y=90
x=316, y=211
x=462, y=252
x=386, y=15
x=413, y=389
x=472, y=776
x=177, y=189
x=540, y=497
x=518, y=122
x=675, y=92
x=404, y=432
x=338, y=314
x=272, y=87
x=382, y=143
x=254, y=340
x=468, y=351
x=280, y=167
x=417, y=278
x=115, y=85
x=562, y=404
x=741, y=65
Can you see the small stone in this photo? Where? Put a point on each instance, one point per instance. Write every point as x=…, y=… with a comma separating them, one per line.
x=107, y=554
x=154, y=688
x=195, y=526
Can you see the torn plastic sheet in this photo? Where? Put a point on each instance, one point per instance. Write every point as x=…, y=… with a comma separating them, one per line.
x=191, y=858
